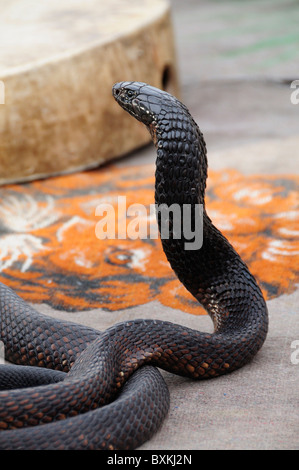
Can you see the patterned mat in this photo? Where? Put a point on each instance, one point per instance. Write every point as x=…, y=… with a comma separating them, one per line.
x=50, y=251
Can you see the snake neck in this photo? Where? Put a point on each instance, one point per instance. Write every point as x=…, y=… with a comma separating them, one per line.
x=181, y=164
x=214, y=273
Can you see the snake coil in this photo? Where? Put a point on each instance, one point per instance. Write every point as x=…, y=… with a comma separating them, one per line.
x=115, y=367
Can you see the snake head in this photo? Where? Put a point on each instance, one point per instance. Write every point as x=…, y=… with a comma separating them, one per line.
x=142, y=101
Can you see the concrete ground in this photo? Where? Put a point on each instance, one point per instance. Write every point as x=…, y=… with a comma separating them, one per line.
x=236, y=61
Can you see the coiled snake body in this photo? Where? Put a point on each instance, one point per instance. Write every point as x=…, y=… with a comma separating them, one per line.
x=66, y=412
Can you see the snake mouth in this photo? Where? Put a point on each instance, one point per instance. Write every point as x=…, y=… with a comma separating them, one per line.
x=126, y=102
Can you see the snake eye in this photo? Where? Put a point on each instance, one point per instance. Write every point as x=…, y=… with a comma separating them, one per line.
x=130, y=93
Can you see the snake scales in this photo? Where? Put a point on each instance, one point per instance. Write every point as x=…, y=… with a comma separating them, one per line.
x=89, y=367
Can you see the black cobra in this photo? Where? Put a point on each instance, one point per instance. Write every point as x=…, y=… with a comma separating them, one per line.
x=67, y=413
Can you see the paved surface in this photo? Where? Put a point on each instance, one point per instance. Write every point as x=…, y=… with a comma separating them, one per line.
x=236, y=64
x=236, y=60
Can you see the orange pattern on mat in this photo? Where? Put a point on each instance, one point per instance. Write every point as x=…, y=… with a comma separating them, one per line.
x=49, y=251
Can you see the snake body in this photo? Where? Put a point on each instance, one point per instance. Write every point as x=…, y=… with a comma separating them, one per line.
x=115, y=367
